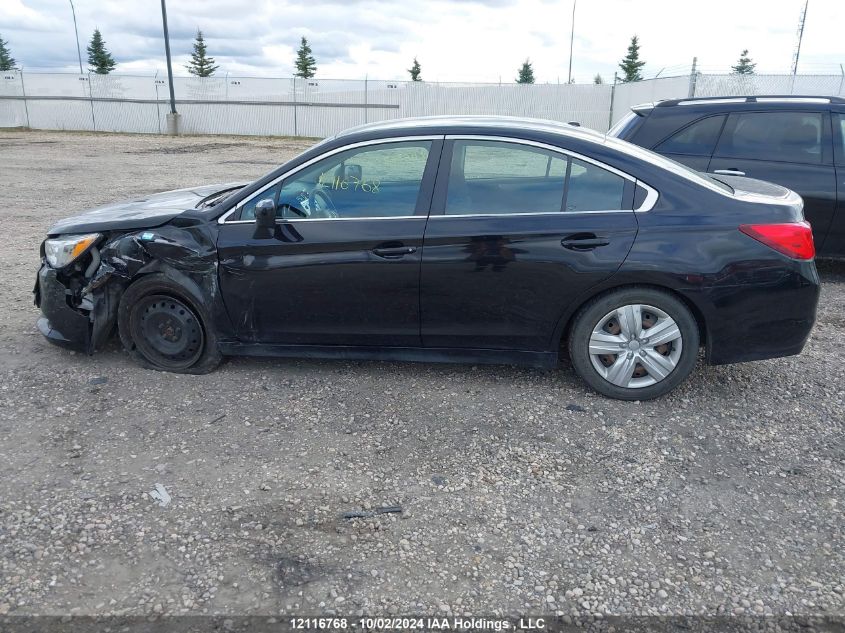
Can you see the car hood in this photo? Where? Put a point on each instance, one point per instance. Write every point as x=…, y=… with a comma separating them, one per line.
x=147, y=212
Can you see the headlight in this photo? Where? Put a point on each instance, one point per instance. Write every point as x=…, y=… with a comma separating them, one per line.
x=64, y=250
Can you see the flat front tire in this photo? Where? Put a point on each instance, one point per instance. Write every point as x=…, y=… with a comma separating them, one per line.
x=163, y=329
x=634, y=343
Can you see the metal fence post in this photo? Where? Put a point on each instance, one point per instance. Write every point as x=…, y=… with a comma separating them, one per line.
x=91, y=101
x=366, y=112
x=295, y=128
x=841, y=78
x=158, y=105
x=692, y=78
x=23, y=94
x=612, y=97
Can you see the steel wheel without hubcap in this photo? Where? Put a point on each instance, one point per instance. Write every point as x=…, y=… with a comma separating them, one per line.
x=635, y=346
x=167, y=332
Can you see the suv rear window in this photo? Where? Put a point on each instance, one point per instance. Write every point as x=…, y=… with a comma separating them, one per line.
x=623, y=128
x=697, y=139
x=794, y=137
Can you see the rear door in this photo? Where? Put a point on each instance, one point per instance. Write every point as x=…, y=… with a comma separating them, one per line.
x=790, y=148
x=516, y=233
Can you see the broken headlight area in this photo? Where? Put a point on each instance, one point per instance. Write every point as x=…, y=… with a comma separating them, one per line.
x=64, y=292
x=64, y=250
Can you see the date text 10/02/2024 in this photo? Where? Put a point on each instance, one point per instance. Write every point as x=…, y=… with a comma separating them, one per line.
x=422, y=624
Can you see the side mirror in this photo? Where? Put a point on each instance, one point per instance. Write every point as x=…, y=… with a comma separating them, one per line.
x=265, y=214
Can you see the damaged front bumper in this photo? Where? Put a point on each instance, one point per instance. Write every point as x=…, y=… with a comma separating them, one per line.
x=60, y=323
x=79, y=304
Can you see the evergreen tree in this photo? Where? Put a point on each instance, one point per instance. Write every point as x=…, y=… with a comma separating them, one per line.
x=415, y=71
x=744, y=66
x=306, y=65
x=100, y=60
x=201, y=64
x=7, y=62
x=598, y=80
x=631, y=64
x=526, y=73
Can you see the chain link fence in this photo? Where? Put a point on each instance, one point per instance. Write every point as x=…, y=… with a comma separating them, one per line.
x=322, y=107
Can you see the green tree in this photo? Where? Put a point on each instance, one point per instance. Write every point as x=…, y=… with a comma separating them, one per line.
x=306, y=65
x=744, y=66
x=201, y=64
x=631, y=64
x=100, y=60
x=7, y=62
x=526, y=73
x=415, y=71
x=598, y=80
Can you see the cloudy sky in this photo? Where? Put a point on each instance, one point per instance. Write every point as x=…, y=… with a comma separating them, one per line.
x=457, y=40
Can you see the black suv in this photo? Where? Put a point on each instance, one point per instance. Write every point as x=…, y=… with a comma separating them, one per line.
x=797, y=142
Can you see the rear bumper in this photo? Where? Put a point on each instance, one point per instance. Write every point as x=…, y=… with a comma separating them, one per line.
x=760, y=320
x=59, y=323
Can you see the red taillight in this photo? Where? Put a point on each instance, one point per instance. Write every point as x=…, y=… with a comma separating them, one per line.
x=793, y=240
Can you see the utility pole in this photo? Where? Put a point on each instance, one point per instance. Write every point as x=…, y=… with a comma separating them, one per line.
x=571, y=40
x=75, y=30
x=693, y=76
x=800, y=37
x=173, y=116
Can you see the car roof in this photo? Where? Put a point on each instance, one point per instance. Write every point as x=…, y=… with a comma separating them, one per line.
x=506, y=125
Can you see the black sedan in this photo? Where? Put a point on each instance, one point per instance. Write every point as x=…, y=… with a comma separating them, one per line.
x=469, y=239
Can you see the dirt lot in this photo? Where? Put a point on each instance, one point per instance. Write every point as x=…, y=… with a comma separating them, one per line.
x=521, y=492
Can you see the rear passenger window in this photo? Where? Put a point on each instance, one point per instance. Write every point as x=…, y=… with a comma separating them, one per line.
x=794, y=137
x=697, y=139
x=494, y=177
x=592, y=188
x=489, y=177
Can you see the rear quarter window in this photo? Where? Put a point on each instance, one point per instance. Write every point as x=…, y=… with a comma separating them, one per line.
x=697, y=139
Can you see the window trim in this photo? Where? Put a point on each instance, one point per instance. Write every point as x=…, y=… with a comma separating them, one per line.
x=223, y=219
x=837, y=125
x=648, y=203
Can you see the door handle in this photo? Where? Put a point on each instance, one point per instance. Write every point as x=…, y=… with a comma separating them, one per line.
x=394, y=252
x=583, y=242
x=729, y=172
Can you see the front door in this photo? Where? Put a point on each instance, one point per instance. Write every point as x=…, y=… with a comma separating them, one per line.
x=517, y=232
x=789, y=148
x=342, y=265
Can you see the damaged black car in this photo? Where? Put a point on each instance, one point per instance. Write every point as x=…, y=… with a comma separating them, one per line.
x=465, y=239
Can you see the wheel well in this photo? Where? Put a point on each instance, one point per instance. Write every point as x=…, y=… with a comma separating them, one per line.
x=696, y=313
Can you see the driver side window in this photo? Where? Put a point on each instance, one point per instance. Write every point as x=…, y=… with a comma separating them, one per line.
x=372, y=181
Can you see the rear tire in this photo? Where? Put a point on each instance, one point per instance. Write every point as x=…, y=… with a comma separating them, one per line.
x=615, y=350
x=163, y=329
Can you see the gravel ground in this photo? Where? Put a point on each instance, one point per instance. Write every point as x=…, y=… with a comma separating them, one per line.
x=520, y=490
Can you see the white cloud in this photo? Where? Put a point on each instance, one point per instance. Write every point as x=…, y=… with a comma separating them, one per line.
x=466, y=40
